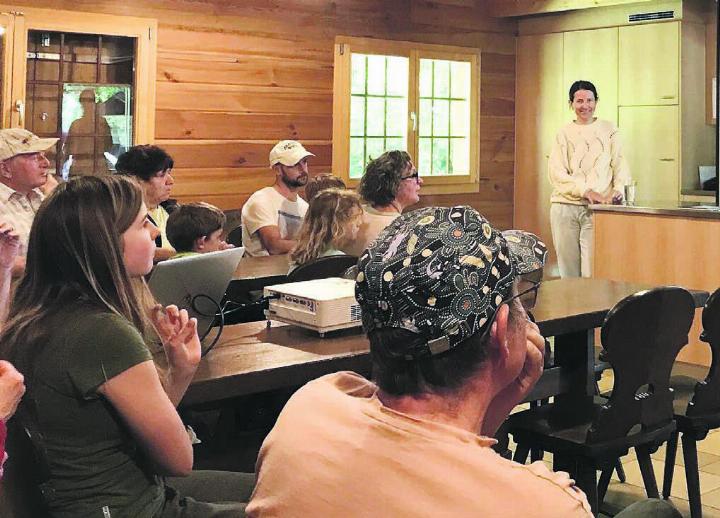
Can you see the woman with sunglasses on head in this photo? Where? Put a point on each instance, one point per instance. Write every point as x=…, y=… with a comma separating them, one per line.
x=586, y=166
x=390, y=185
x=98, y=413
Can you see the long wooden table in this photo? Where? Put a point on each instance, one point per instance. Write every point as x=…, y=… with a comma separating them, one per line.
x=254, y=357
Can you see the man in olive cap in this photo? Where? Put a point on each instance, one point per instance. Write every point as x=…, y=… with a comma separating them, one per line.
x=24, y=169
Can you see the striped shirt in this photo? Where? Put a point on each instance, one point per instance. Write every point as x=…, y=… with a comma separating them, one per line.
x=19, y=211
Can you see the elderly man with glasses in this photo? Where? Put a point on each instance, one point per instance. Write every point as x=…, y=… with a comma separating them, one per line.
x=24, y=169
x=453, y=351
x=390, y=185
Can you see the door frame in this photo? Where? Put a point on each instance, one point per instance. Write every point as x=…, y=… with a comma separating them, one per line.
x=144, y=30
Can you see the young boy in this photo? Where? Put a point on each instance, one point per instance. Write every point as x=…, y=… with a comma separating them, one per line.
x=195, y=228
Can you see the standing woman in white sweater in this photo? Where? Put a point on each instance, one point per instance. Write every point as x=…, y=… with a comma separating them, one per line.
x=586, y=166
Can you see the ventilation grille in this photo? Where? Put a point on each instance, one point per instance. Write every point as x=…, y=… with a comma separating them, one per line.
x=646, y=17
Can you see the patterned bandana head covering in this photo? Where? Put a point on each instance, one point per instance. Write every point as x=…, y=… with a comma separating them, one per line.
x=441, y=272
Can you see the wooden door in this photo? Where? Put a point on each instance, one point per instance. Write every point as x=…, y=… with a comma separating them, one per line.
x=649, y=64
x=650, y=135
x=540, y=110
x=7, y=28
x=593, y=56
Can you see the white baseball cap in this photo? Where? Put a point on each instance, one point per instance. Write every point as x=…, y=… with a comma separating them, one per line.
x=288, y=152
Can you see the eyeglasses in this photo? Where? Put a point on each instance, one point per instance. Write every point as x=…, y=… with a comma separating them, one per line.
x=415, y=176
x=527, y=297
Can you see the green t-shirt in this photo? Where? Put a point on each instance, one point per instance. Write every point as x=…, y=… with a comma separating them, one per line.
x=93, y=459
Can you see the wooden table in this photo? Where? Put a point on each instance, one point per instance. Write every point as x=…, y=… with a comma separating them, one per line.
x=252, y=358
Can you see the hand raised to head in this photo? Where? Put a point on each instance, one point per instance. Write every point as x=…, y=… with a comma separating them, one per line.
x=9, y=245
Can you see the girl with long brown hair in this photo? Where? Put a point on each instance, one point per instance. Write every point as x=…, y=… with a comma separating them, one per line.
x=99, y=414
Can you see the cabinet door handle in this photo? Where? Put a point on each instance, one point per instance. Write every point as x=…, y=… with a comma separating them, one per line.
x=667, y=97
x=667, y=159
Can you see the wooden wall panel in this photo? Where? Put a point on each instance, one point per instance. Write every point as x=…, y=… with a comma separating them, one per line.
x=234, y=77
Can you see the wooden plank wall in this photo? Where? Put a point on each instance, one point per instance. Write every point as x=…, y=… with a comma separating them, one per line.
x=234, y=77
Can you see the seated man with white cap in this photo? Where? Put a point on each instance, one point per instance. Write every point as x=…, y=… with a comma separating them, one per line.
x=272, y=216
x=24, y=170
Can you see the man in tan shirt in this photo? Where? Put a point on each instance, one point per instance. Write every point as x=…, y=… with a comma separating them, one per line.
x=24, y=169
x=453, y=352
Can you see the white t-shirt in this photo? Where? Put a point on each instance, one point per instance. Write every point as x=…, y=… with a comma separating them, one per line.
x=265, y=208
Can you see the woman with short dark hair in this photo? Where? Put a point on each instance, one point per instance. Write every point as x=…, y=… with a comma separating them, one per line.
x=152, y=167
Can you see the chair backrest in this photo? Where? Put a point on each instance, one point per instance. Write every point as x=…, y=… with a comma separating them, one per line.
x=322, y=268
x=20, y=495
x=234, y=237
x=642, y=335
x=707, y=392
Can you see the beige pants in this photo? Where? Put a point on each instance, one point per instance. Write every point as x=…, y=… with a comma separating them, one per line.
x=572, y=232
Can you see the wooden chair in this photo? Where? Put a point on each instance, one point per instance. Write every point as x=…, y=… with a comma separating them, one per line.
x=697, y=409
x=322, y=268
x=642, y=334
x=20, y=495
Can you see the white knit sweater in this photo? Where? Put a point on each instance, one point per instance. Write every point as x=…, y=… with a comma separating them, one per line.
x=586, y=156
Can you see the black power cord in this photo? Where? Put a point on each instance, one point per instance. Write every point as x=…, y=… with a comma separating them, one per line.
x=222, y=312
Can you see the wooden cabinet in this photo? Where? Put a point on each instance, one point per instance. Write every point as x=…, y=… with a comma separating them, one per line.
x=649, y=64
x=540, y=109
x=582, y=59
x=651, y=139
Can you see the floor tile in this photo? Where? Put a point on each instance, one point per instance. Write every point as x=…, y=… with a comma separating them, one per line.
x=708, y=481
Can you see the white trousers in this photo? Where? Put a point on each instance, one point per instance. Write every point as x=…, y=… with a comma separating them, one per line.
x=572, y=232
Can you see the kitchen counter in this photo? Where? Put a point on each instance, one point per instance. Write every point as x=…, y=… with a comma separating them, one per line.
x=663, y=208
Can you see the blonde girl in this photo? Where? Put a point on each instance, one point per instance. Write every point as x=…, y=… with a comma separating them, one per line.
x=331, y=224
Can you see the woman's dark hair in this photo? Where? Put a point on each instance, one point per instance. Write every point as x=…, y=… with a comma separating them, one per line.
x=382, y=177
x=144, y=161
x=443, y=373
x=582, y=85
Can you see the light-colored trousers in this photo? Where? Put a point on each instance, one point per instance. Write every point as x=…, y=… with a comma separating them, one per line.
x=572, y=233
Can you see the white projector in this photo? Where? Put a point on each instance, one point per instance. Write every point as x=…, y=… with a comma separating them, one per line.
x=321, y=305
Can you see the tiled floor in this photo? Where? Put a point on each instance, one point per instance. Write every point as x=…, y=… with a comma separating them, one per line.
x=620, y=495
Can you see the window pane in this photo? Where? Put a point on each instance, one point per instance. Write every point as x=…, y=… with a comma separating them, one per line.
x=441, y=118
x=396, y=117
x=459, y=119
x=376, y=75
x=425, y=78
x=375, y=116
x=460, y=78
x=378, y=107
x=425, y=118
x=357, y=116
x=375, y=148
x=397, y=76
x=424, y=158
x=395, y=143
x=442, y=78
x=440, y=156
x=357, y=156
x=444, y=113
x=459, y=156
x=357, y=76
